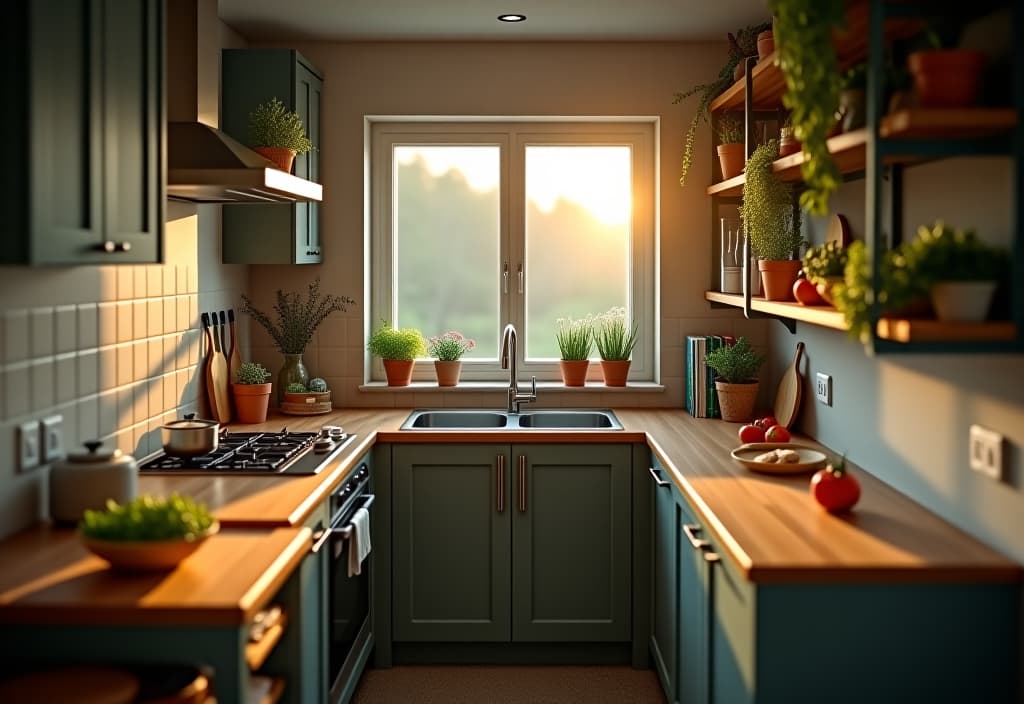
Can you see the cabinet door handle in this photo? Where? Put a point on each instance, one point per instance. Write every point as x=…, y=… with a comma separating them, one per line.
x=521, y=278
x=691, y=530
x=501, y=483
x=658, y=480
x=522, y=483
x=504, y=279
x=110, y=246
x=712, y=557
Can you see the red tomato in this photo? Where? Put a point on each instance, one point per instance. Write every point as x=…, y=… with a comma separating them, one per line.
x=766, y=422
x=776, y=433
x=751, y=433
x=835, y=489
x=807, y=293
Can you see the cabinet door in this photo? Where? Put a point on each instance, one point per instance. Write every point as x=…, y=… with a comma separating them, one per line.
x=694, y=610
x=571, y=543
x=451, y=543
x=307, y=105
x=733, y=635
x=664, y=580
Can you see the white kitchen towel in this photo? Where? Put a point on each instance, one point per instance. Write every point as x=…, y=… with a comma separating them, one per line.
x=359, y=543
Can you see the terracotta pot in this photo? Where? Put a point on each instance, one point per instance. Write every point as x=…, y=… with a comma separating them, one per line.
x=788, y=143
x=281, y=157
x=615, y=371
x=736, y=400
x=574, y=371
x=765, y=45
x=447, y=372
x=962, y=301
x=251, y=402
x=399, y=371
x=778, y=276
x=732, y=160
x=946, y=78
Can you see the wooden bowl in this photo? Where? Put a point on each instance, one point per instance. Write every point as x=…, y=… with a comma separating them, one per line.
x=146, y=555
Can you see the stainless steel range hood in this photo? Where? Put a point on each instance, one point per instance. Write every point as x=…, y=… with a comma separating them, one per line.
x=204, y=165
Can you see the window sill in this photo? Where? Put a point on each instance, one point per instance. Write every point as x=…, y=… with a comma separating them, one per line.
x=546, y=386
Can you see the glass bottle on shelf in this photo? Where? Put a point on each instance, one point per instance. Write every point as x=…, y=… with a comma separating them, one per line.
x=731, y=252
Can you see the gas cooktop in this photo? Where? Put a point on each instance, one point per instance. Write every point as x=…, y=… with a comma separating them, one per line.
x=257, y=453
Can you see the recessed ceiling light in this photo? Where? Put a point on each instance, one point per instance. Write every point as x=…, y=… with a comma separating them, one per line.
x=511, y=17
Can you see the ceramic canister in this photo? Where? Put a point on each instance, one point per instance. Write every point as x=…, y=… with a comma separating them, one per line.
x=85, y=480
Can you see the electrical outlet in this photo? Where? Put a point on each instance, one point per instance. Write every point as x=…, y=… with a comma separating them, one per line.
x=52, y=436
x=823, y=388
x=986, y=447
x=28, y=446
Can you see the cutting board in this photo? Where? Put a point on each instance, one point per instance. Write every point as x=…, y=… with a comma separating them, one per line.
x=790, y=391
x=234, y=356
x=217, y=378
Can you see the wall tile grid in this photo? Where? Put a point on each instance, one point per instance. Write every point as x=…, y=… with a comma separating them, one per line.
x=115, y=370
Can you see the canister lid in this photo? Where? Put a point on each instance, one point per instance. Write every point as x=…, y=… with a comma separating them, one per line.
x=95, y=453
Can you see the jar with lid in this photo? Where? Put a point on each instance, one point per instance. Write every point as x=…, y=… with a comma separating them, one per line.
x=85, y=480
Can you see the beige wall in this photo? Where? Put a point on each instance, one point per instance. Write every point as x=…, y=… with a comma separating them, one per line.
x=534, y=79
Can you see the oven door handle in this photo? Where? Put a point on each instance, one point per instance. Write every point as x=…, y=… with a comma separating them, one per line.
x=346, y=532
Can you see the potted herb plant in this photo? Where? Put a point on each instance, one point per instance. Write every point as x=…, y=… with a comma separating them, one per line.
x=615, y=342
x=772, y=223
x=788, y=143
x=449, y=348
x=313, y=398
x=252, y=392
x=946, y=76
x=824, y=266
x=730, y=148
x=277, y=133
x=297, y=320
x=398, y=349
x=575, y=338
x=736, y=370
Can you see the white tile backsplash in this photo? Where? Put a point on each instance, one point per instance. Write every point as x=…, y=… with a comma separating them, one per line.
x=87, y=363
x=107, y=317
x=66, y=323
x=140, y=360
x=88, y=326
x=42, y=332
x=67, y=375
x=124, y=321
x=16, y=390
x=16, y=336
x=88, y=419
x=155, y=315
x=125, y=283
x=139, y=321
x=41, y=385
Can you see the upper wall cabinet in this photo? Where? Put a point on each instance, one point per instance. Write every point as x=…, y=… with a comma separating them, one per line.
x=272, y=234
x=84, y=119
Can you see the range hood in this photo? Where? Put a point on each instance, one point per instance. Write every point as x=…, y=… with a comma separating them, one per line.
x=204, y=165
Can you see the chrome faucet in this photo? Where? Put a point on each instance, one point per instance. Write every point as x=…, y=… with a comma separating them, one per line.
x=508, y=361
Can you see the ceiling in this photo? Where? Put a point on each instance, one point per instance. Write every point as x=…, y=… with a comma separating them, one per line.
x=433, y=20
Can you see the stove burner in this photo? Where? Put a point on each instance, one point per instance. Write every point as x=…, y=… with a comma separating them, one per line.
x=246, y=452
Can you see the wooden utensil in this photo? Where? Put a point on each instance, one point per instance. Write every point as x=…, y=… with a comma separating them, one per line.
x=787, y=398
x=218, y=378
x=234, y=356
x=211, y=395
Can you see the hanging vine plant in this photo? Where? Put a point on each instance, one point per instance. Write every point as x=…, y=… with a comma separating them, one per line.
x=803, y=40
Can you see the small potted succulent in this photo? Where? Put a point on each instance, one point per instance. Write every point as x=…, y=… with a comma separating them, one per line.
x=312, y=398
x=449, y=348
x=946, y=76
x=615, y=343
x=824, y=266
x=277, y=134
x=398, y=348
x=788, y=143
x=575, y=338
x=736, y=369
x=252, y=392
x=730, y=147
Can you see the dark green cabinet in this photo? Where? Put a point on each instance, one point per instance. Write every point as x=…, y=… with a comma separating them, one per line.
x=272, y=233
x=86, y=131
x=664, y=581
x=527, y=543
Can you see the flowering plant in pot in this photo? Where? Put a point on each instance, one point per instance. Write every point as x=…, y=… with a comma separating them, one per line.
x=730, y=147
x=736, y=368
x=615, y=342
x=252, y=392
x=277, y=133
x=297, y=320
x=449, y=348
x=772, y=223
x=575, y=338
x=398, y=348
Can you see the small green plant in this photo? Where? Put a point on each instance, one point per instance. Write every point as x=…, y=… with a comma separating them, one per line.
x=297, y=319
x=772, y=223
x=737, y=364
x=317, y=385
x=824, y=262
x=296, y=387
x=856, y=77
x=273, y=125
x=730, y=130
x=614, y=340
x=148, y=518
x=404, y=344
x=575, y=338
x=942, y=253
x=251, y=373
x=450, y=346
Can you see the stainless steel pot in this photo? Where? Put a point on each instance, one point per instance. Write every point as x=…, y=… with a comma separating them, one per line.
x=190, y=436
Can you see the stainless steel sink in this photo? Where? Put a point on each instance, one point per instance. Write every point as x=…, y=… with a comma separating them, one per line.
x=569, y=419
x=479, y=419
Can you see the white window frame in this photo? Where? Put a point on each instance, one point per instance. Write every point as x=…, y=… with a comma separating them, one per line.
x=512, y=136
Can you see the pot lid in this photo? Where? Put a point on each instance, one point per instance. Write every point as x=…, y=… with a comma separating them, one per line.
x=95, y=453
x=190, y=422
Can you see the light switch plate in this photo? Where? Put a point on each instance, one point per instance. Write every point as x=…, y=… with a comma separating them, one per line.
x=52, y=437
x=28, y=446
x=986, y=448
x=823, y=388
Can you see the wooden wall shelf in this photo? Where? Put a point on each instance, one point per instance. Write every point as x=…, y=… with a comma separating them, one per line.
x=824, y=316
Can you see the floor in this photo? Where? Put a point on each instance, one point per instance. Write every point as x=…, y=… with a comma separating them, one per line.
x=479, y=684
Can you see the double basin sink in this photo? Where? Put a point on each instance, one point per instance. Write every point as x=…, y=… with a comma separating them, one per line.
x=464, y=419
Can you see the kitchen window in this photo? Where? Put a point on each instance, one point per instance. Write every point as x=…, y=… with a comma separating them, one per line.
x=478, y=224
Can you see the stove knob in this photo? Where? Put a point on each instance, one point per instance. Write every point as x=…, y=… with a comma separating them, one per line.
x=323, y=445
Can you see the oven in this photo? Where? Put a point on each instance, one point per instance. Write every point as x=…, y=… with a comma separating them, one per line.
x=349, y=631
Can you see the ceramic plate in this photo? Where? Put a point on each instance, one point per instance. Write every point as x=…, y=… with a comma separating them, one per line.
x=810, y=459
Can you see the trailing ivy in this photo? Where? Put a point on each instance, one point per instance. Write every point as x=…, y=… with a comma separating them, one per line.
x=767, y=211
x=803, y=40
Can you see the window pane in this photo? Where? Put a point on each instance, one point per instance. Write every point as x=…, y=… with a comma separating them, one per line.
x=446, y=237
x=578, y=225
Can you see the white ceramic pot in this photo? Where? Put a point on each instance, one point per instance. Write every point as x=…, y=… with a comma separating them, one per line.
x=85, y=480
x=962, y=301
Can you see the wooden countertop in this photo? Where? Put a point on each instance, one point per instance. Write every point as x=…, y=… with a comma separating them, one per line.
x=49, y=577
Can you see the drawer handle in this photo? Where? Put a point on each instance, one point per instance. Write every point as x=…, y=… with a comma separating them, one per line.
x=522, y=483
x=712, y=557
x=691, y=530
x=321, y=538
x=658, y=480
x=501, y=483
x=110, y=246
